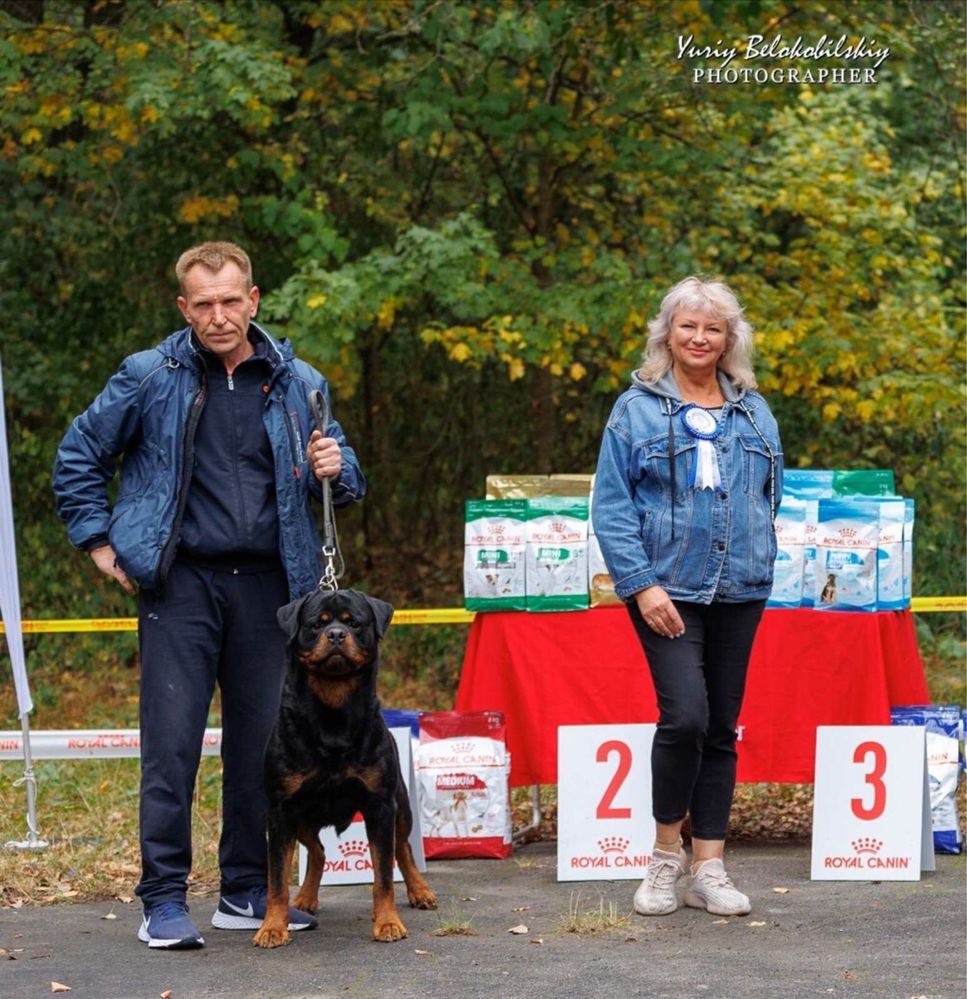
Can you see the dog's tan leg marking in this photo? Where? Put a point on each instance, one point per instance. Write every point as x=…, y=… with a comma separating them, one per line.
x=308, y=898
x=274, y=931
x=418, y=892
x=387, y=925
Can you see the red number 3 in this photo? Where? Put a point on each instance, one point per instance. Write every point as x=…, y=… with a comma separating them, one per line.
x=606, y=810
x=874, y=778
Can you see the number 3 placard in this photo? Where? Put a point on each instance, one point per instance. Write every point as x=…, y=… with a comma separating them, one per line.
x=604, y=826
x=871, y=811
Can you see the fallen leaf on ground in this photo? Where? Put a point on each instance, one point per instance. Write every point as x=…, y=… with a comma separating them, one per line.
x=521, y=928
x=422, y=953
x=537, y=940
x=781, y=891
x=719, y=922
x=126, y=899
x=756, y=923
x=109, y=915
x=59, y=987
x=167, y=994
x=469, y=898
x=520, y=908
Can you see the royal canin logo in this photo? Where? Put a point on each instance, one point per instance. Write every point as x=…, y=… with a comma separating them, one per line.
x=614, y=844
x=354, y=848
x=866, y=854
x=847, y=532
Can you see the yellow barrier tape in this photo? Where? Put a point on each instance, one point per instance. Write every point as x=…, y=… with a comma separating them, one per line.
x=928, y=605
x=435, y=615
x=430, y=615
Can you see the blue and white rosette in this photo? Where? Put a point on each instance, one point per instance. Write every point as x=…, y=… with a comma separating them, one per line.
x=701, y=425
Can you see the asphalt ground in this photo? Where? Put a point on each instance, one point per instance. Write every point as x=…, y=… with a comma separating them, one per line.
x=847, y=939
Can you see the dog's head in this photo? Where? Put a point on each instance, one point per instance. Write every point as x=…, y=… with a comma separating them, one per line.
x=335, y=634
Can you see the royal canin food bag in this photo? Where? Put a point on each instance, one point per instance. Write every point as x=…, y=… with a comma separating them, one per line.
x=463, y=784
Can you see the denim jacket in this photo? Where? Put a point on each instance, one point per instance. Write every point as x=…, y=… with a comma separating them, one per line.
x=146, y=416
x=654, y=528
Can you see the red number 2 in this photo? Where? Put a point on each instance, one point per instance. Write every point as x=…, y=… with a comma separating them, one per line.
x=874, y=778
x=605, y=806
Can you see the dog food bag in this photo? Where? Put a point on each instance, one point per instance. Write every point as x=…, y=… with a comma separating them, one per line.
x=790, y=547
x=846, y=555
x=557, y=553
x=570, y=484
x=600, y=584
x=463, y=784
x=807, y=483
x=909, y=516
x=942, y=722
x=810, y=534
x=864, y=482
x=494, y=555
x=516, y=486
x=889, y=567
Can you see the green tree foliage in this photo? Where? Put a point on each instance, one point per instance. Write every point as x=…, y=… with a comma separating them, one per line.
x=465, y=213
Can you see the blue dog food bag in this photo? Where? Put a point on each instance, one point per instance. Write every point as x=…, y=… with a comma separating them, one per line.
x=909, y=516
x=942, y=722
x=846, y=555
x=807, y=483
x=790, y=547
x=889, y=555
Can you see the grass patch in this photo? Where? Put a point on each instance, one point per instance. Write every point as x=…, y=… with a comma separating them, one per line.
x=603, y=919
x=454, y=925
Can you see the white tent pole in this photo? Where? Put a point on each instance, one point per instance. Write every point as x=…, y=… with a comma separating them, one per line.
x=10, y=610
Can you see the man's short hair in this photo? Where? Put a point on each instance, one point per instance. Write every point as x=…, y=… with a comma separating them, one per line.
x=214, y=256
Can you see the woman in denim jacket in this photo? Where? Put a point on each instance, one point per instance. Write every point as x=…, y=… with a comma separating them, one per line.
x=688, y=481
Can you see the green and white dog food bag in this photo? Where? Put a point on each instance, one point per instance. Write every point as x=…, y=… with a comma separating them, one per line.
x=557, y=553
x=494, y=555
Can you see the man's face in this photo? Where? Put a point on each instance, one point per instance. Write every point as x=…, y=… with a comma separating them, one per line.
x=219, y=305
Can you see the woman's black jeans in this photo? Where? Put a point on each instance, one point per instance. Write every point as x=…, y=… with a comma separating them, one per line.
x=700, y=680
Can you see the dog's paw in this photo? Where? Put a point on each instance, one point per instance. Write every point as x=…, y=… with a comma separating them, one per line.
x=270, y=936
x=389, y=930
x=306, y=904
x=421, y=898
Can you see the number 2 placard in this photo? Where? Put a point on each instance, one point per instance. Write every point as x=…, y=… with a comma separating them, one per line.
x=604, y=826
x=871, y=810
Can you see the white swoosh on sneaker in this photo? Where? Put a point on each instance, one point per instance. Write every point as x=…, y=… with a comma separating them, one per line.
x=247, y=911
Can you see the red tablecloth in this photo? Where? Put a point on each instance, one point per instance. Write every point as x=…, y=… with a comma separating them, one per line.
x=808, y=668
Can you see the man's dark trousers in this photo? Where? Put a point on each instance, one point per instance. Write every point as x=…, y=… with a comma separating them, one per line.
x=207, y=626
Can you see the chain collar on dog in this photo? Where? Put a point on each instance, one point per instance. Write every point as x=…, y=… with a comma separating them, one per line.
x=331, y=554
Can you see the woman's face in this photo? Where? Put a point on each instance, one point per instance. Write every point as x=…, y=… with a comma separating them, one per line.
x=697, y=341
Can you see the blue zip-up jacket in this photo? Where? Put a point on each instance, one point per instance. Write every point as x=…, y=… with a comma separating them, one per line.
x=146, y=416
x=654, y=528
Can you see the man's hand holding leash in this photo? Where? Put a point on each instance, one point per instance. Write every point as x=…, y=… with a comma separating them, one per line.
x=325, y=456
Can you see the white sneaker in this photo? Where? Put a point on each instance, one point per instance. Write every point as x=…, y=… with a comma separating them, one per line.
x=712, y=889
x=656, y=894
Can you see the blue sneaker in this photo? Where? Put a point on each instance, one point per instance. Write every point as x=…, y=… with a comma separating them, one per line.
x=168, y=926
x=245, y=910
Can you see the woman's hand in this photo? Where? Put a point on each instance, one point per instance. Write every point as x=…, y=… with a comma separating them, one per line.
x=659, y=613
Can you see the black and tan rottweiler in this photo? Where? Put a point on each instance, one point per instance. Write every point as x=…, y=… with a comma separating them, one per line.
x=331, y=755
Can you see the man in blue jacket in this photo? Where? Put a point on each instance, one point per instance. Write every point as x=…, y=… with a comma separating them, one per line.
x=218, y=460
